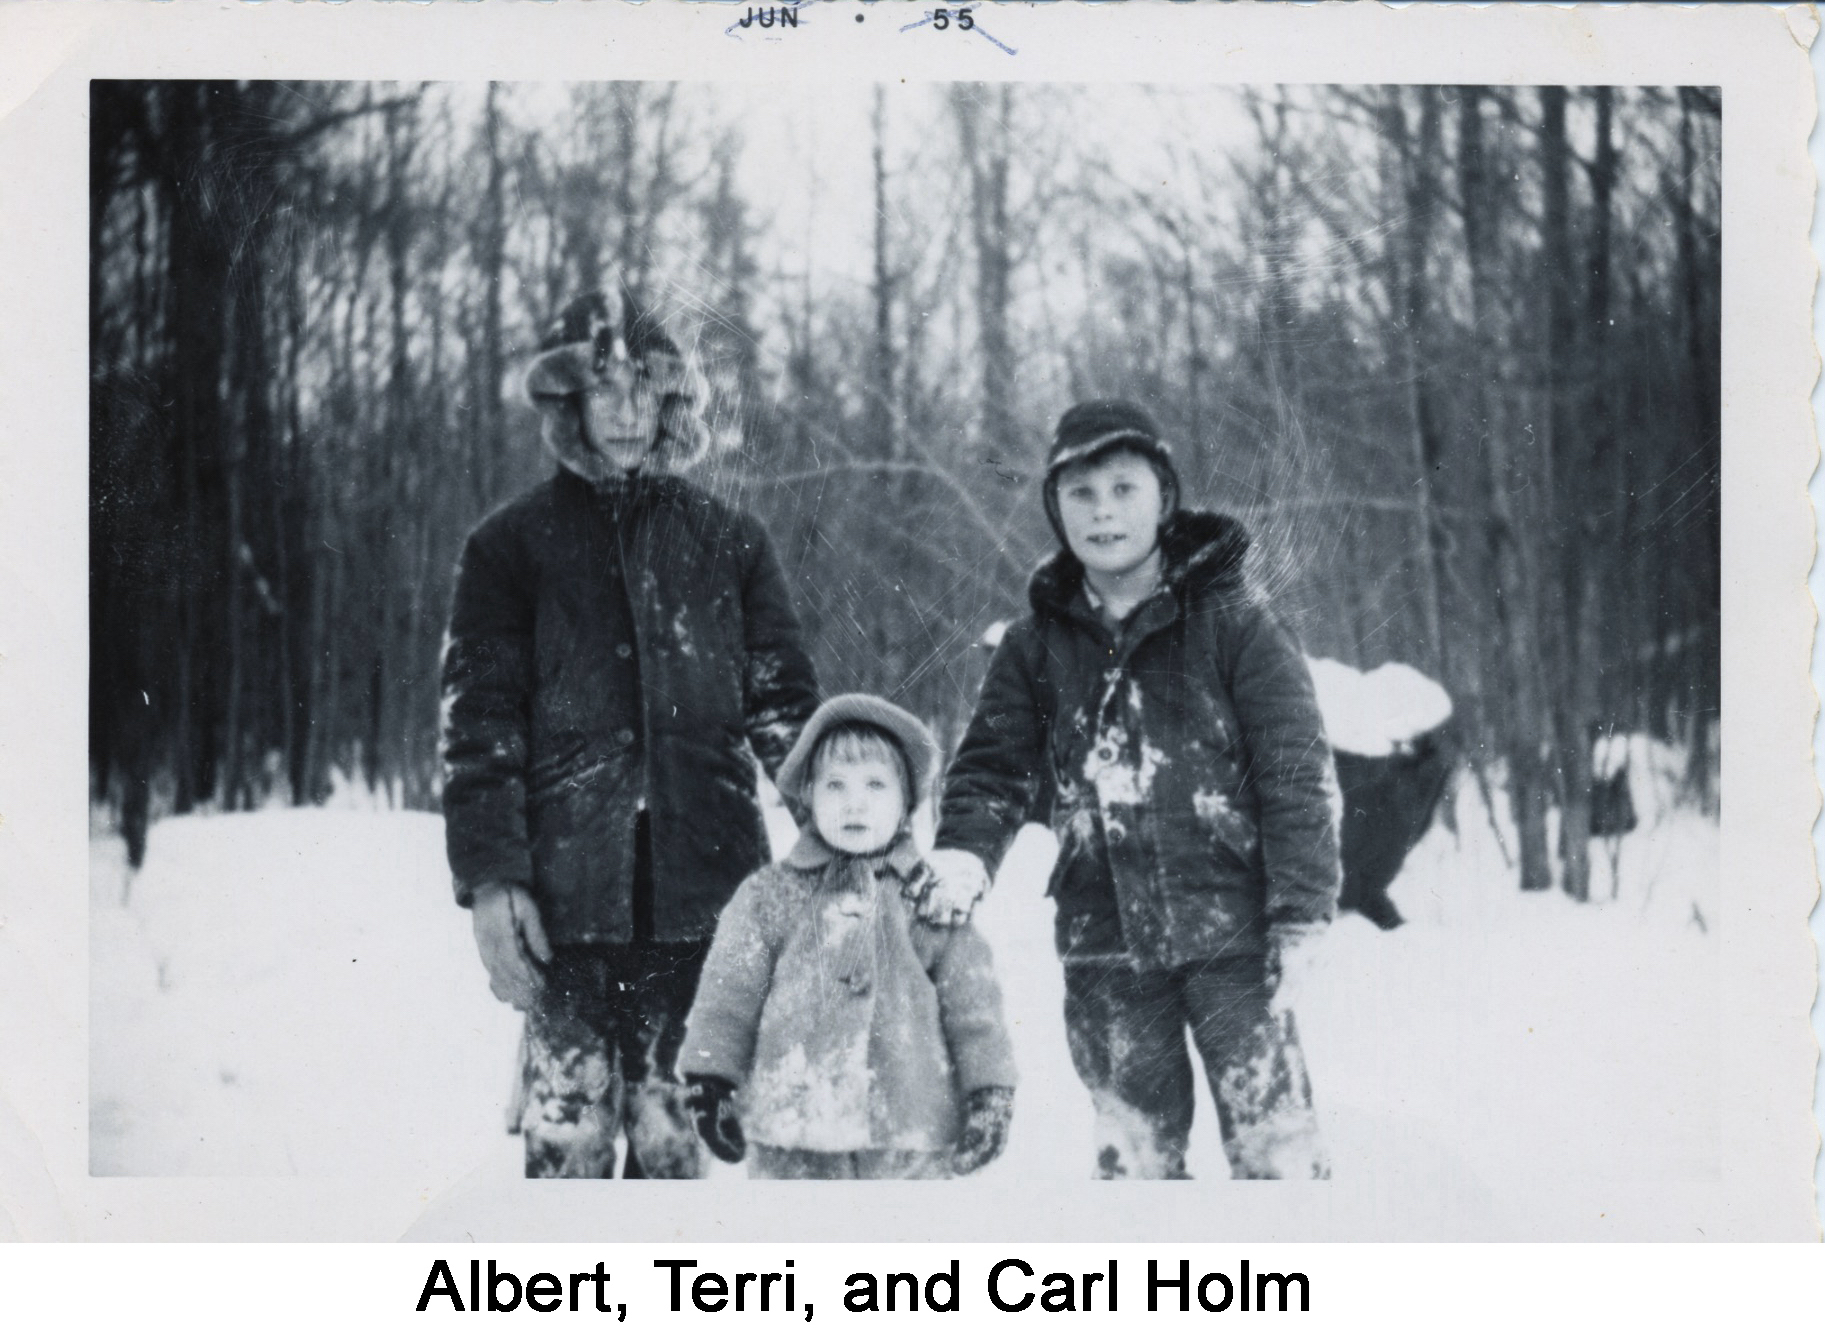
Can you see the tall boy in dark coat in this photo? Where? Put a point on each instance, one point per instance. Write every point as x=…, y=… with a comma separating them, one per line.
x=621, y=648
x=1169, y=720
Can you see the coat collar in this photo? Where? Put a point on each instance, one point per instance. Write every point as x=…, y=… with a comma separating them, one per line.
x=622, y=494
x=812, y=852
x=1199, y=552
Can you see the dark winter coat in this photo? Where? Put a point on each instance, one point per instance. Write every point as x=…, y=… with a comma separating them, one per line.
x=611, y=649
x=849, y=1023
x=1183, y=760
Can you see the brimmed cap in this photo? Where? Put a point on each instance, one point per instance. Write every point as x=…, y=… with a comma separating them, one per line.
x=904, y=728
x=1090, y=429
x=1095, y=427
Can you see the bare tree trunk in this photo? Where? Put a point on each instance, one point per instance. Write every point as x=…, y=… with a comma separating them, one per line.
x=625, y=159
x=397, y=453
x=490, y=259
x=1567, y=457
x=234, y=632
x=659, y=187
x=246, y=469
x=1409, y=298
x=982, y=116
x=296, y=699
x=1518, y=643
x=1697, y=665
x=198, y=274
x=1594, y=551
x=882, y=437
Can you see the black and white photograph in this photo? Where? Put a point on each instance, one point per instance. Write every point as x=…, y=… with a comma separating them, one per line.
x=1023, y=631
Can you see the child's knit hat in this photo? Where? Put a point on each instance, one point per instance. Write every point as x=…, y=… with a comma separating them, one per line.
x=1090, y=429
x=905, y=729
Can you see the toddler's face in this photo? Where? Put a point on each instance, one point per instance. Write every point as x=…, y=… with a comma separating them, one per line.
x=1111, y=511
x=857, y=802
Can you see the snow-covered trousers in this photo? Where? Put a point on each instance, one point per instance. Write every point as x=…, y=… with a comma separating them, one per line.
x=600, y=1060
x=767, y=1161
x=1126, y=1029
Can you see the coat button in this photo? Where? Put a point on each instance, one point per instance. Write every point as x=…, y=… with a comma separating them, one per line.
x=1117, y=833
x=624, y=736
x=623, y=650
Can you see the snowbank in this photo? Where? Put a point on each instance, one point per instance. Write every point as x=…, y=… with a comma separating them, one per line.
x=293, y=992
x=1369, y=713
x=290, y=992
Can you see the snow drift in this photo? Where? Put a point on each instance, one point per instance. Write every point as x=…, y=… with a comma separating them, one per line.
x=293, y=992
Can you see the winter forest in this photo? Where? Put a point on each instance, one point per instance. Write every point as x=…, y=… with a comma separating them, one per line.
x=1451, y=352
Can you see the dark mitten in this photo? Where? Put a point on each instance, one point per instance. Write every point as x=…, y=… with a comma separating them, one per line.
x=917, y=885
x=711, y=1101
x=986, y=1115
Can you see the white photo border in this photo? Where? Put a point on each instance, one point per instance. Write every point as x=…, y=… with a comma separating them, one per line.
x=48, y=53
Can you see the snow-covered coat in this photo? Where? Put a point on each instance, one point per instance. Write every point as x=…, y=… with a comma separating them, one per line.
x=613, y=647
x=848, y=1023
x=1183, y=760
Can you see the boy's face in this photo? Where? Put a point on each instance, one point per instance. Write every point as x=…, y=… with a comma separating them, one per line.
x=857, y=803
x=621, y=413
x=1111, y=509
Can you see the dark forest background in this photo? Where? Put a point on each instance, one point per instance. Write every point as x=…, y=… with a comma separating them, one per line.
x=1452, y=352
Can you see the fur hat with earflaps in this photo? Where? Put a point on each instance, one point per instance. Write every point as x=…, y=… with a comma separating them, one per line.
x=599, y=334
x=906, y=730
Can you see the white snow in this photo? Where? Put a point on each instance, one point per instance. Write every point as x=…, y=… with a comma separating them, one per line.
x=294, y=992
x=290, y=992
x=1369, y=713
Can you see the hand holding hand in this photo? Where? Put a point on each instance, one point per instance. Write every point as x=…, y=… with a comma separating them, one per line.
x=511, y=938
x=711, y=1101
x=959, y=880
x=986, y=1115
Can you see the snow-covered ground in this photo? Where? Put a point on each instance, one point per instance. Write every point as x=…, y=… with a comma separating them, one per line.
x=293, y=992
x=289, y=992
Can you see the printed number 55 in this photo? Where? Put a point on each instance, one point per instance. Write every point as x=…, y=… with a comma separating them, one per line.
x=941, y=18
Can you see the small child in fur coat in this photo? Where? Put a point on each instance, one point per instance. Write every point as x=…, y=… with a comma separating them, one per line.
x=840, y=1034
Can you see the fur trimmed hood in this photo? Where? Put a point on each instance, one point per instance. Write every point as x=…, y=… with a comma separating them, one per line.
x=1200, y=552
x=591, y=331
x=1180, y=760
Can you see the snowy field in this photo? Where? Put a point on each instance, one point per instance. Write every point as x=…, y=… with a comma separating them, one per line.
x=293, y=993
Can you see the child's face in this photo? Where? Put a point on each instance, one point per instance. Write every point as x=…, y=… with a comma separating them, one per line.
x=1111, y=510
x=621, y=413
x=857, y=802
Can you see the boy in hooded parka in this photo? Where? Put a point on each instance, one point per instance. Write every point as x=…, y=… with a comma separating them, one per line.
x=621, y=648
x=1169, y=719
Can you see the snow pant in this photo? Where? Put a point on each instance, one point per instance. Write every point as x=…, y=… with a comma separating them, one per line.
x=767, y=1161
x=600, y=1060
x=1126, y=1029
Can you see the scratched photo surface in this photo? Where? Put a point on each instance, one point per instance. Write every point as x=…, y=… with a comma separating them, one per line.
x=1448, y=354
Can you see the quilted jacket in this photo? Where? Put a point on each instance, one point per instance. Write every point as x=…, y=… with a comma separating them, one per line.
x=616, y=648
x=1181, y=760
